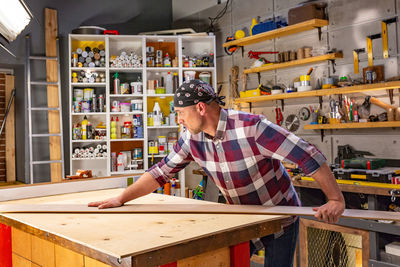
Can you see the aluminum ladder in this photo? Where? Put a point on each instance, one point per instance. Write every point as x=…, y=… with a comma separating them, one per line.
x=31, y=109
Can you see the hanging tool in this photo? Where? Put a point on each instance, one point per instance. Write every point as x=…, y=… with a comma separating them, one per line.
x=356, y=59
x=278, y=116
x=292, y=123
x=230, y=49
x=369, y=48
x=256, y=55
x=8, y=109
x=385, y=36
x=304, y=113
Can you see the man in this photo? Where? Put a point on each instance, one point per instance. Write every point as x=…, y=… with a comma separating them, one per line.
x=242, y=154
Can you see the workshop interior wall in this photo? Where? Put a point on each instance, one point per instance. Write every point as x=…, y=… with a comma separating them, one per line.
x=350, y=21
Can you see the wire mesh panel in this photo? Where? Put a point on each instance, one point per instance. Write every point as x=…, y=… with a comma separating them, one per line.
x=327, y=245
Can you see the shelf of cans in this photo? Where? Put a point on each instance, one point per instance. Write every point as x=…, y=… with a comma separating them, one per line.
x=89, y=57
x=89, y=76
x=84, y=130
x=90, y=152
x=126, y=60
x=85, y=100
x=161, y=146
x=129, y=129
x=125, y=161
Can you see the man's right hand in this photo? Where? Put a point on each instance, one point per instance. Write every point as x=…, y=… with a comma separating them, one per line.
x=108, y=203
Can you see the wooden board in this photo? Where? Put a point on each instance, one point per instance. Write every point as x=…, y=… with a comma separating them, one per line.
x=193, y=209
x=353, y=125
x=10, y=132
x=147, y=239
x=288, y=30
x=51, y=32
x=352, y=186
x=322, y=92
x=295, y=63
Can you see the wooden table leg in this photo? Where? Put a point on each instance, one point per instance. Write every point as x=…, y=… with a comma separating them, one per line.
x=240, y=255
x=5, y=246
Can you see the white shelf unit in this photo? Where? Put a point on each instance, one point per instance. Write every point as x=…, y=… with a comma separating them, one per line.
x=114, y=44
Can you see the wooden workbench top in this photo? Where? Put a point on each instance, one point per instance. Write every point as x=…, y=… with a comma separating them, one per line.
x=138, y=237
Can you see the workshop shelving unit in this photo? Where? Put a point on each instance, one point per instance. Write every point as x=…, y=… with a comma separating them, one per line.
x=114, y=45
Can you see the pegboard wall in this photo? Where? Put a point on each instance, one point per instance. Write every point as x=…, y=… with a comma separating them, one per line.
x=350, y=21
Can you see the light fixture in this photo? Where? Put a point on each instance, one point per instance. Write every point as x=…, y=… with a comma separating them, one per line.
x=14, y=17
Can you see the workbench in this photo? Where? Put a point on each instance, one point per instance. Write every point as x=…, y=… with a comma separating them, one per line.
x=72, y=239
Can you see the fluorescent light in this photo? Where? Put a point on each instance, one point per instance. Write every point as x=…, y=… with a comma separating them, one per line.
x=13, y=19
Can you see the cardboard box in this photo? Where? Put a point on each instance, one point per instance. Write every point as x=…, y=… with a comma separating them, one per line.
x=306, y=12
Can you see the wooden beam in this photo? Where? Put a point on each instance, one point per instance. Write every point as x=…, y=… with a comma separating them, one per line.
x=193, y=208
x=51, y=34
x=10, y=132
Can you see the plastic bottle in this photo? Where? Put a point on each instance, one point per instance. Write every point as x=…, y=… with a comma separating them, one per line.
x=116, y=83
x=156, y=114
x=167, y=61
x=120, y=162
x=118, y=126
x=173, y=187
x=175, y=82
x=168, y=84
x=113, y=129
x=84, y=128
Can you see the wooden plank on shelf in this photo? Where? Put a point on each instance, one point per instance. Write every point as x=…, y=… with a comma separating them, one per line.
x=10, y=132
x=355, y=187
x=353, y=125
x=295, y=63
x=51, y=32
x=323, y=92
x=288, y=30
x=191, y=208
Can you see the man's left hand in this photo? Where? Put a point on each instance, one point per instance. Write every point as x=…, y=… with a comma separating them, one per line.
x=330, y=212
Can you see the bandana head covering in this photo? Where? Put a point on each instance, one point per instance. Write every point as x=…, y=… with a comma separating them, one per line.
x=194, y=91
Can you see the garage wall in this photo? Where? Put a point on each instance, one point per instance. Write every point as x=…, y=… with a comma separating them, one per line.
x=126, y=16
x=350, y=22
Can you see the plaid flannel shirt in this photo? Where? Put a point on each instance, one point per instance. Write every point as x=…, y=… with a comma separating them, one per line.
x=244, y=159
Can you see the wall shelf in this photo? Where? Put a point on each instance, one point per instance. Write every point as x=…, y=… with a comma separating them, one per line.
x=353, y=125
x=295, y=63
x=323, y=92
x=288, y=30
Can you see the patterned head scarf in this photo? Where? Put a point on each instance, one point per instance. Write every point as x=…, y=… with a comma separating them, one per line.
x=195, y=91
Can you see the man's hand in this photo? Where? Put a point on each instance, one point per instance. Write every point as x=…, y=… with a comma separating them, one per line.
x=108, y=203
x=330, y=212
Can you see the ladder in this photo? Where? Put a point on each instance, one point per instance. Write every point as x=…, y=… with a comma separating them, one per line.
x=55, y=136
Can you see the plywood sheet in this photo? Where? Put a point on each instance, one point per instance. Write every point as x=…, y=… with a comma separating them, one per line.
x=123, y=235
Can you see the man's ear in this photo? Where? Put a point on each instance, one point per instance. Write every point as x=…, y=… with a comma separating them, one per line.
x=201, y=108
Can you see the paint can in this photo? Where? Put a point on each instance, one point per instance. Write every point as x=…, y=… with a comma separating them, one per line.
x=78, y=94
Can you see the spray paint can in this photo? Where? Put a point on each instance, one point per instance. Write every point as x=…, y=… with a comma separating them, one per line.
x=94, y=103
x=101, y=103
x=116, y=83
x=74, y=59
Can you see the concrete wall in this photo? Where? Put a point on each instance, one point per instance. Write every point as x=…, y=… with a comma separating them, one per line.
x=126, y=16
x=350, y=22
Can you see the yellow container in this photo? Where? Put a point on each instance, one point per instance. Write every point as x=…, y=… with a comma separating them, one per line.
x=304, y=78
x=254, y=92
